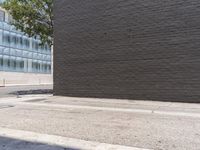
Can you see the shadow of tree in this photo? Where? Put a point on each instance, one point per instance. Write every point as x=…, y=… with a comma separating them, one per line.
x=16, y=144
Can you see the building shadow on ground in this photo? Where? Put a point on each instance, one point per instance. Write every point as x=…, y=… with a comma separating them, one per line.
x=16, y=144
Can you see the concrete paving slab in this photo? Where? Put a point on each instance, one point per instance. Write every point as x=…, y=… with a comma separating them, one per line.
x=169, y=108
x=125, y=110
x=110, y=124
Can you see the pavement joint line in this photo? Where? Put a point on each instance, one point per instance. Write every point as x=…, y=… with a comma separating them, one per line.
x=25, y=101
x=112, y=109
x=64, y=142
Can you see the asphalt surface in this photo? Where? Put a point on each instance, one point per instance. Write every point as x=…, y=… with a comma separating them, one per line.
x=142, y=124
x=4, y=91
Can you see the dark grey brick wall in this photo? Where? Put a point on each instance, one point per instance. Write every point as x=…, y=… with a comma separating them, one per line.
x=134, y=49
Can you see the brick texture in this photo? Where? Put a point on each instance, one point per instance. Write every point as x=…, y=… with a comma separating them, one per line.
x=129, y=49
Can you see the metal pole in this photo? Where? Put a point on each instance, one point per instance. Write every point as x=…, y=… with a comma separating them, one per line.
x=4, y=82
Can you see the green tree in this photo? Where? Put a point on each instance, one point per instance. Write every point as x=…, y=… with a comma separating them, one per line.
x=33, y=17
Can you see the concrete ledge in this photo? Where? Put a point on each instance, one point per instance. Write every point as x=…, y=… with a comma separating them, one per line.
x=60, y=141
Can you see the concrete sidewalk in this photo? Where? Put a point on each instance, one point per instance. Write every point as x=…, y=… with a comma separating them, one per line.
x=141, y=124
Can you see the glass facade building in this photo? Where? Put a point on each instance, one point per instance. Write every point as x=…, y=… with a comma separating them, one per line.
x=19, y=53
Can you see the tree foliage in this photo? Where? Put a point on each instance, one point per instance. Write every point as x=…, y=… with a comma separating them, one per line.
x=33, y=17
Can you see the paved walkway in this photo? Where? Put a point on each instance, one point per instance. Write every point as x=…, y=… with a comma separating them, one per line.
x=100, y=122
